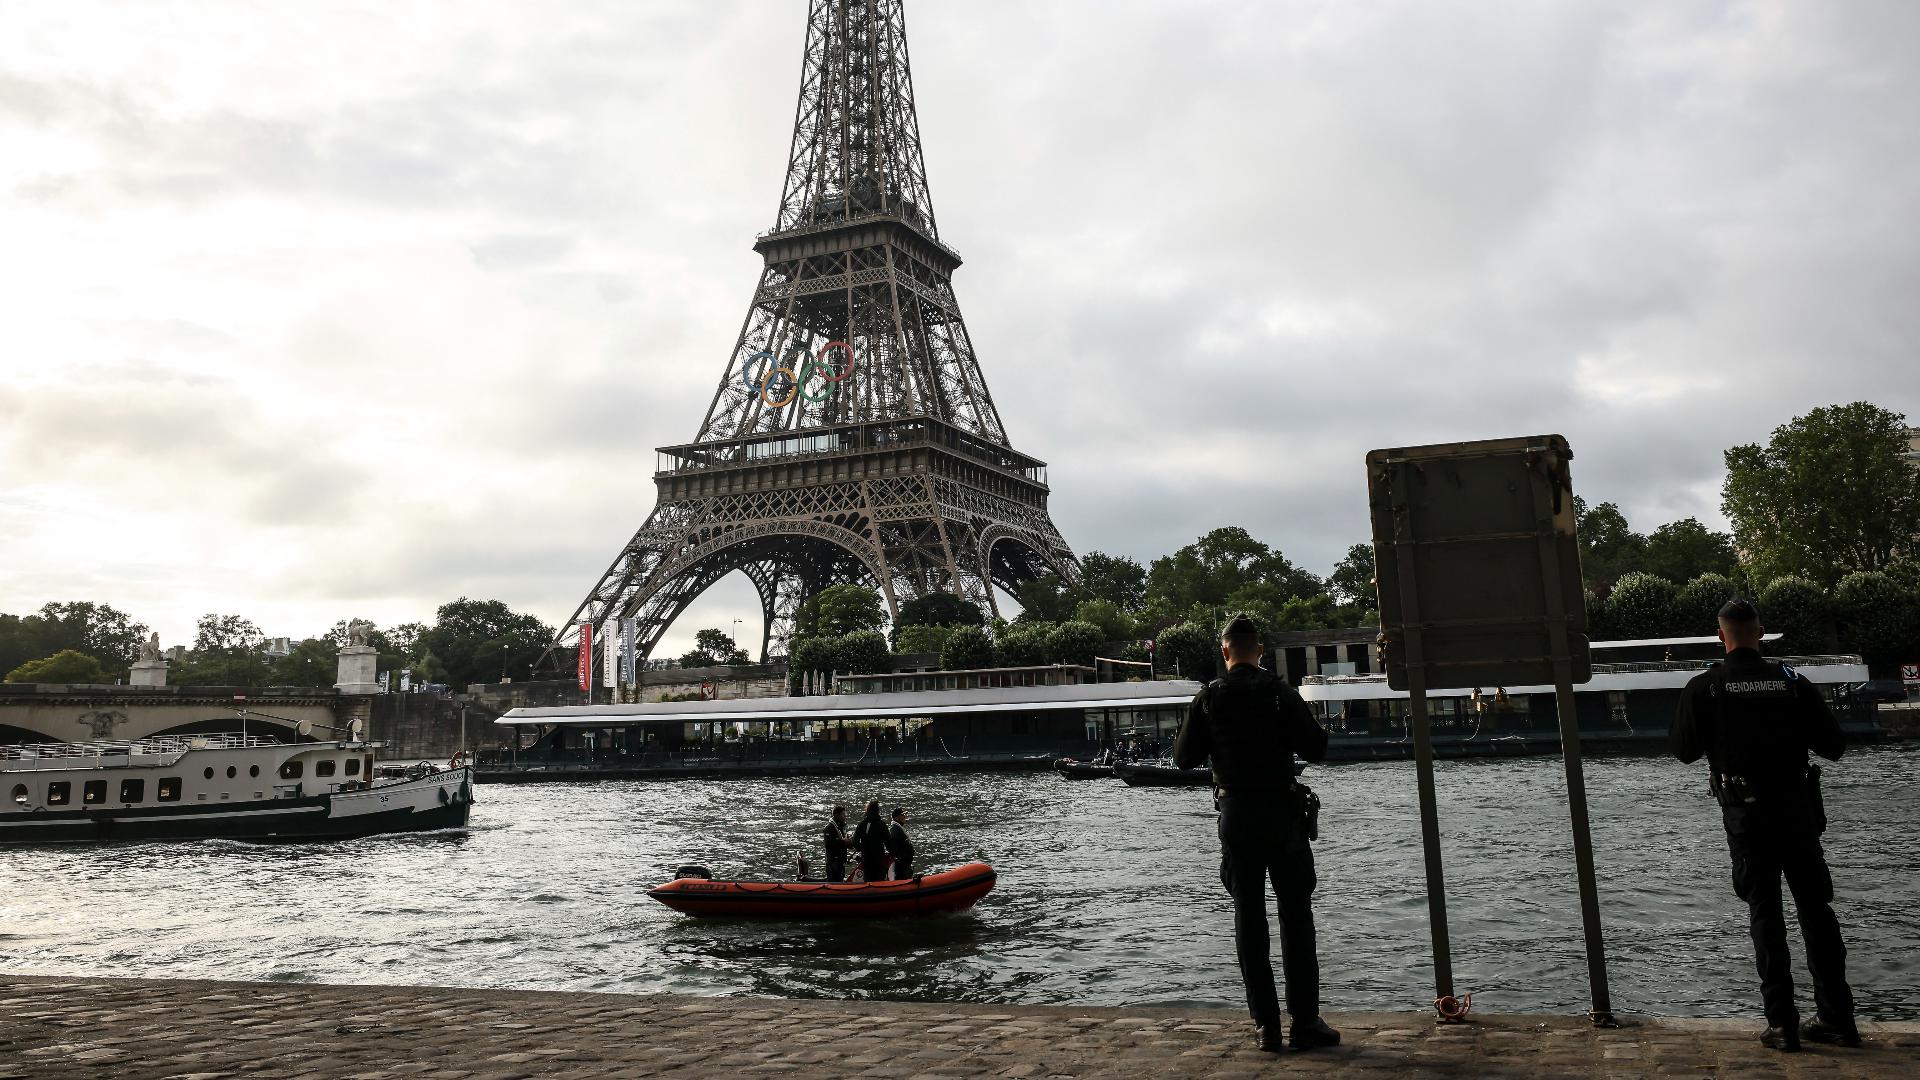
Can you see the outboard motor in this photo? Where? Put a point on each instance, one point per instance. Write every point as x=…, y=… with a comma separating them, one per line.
x=692, y=871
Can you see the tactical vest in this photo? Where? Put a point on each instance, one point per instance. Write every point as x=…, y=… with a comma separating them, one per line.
x=1251, y=751
x=1759, y=731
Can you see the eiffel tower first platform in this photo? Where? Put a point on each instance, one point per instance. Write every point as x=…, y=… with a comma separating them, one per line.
x=852, y=437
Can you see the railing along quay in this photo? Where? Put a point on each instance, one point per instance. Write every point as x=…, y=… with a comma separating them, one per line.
x=533, y=767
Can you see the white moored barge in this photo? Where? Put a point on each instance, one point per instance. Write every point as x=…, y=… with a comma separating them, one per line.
x=219, y=786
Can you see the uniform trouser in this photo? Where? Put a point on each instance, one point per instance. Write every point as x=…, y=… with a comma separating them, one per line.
x=1259, y=842
x=1764, y=852
x=874, y=867
x=836, y=868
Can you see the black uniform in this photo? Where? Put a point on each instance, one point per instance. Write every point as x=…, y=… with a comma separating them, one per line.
x=1251, y=724
x=870, y=836
x=836, y=840
x=900, y=846
x=1755, y=720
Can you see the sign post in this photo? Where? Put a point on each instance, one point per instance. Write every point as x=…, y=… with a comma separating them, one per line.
x=1478, y=573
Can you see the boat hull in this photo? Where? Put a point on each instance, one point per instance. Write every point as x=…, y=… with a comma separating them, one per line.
x=440, y=801
x=1163, y=776
x=1080, y=770
x=926, y=894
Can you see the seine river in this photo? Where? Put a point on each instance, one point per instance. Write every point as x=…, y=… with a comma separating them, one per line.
x=1107, y=895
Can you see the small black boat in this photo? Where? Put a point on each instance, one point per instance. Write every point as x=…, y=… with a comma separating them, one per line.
x=1155, y=775
x=1073, y=769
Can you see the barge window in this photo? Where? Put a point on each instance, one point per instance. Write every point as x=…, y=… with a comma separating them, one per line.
x=59, y=793
x=353, y=766
x=253, y=770
x=20, y=793
x=231, y=771
x=291, y=770
x=133, y=790
x=94, y=792
x=168, y=790
x=324, y=767
x=209, y=772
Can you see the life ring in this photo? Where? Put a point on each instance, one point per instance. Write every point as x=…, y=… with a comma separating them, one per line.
x=454, y=761
x=1452, y=1009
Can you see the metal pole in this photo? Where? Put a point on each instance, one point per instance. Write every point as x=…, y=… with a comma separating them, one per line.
x=1430, y=832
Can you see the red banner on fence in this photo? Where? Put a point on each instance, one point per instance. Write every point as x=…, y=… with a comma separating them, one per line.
x=586, y=656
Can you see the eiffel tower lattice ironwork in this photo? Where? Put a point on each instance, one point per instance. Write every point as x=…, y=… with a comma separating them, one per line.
x=852, y=436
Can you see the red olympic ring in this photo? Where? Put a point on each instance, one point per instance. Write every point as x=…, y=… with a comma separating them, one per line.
x=826, y=369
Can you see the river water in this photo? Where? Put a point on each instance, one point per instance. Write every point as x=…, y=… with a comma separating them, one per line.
x=1107, y=894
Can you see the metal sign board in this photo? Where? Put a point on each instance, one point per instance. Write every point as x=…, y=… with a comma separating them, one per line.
x=1474, y=547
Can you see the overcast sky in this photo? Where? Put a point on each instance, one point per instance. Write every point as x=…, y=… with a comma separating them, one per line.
x=310, y=311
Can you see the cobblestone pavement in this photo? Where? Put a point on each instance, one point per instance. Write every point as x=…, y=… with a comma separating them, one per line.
x=148, y=1029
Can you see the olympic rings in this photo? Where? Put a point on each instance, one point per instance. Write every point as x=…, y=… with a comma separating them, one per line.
x=782, y=381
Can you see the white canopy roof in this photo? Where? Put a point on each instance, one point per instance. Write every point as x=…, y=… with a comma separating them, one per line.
x=1128, y=695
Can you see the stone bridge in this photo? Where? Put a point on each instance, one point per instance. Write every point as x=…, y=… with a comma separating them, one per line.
x=32, y=712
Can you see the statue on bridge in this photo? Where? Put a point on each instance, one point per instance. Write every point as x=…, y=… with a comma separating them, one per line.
x=150, y=649
x=359, y=632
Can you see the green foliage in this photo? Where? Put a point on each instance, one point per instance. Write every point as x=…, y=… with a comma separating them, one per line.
x=1188, y=648
x=863, y=652
x=967, y=647
x=713, y=648
x=1227, y=567
x=98, y=630
x=807, y=656
x=1114, y=623
x=225, y=652
x=473, y=641
x=1609, y=549
x=1024, y=643
x=1641, y=606
x=1075, y=642
x=313, y=662
x=922, y=639
x=226, y=633
x=1116, y=579
x=846, y=609
x=1829, y=494
x=939, y=609
x=65, y=666
x=1685, y=549
x=1351, y=582
x=1047, y=599
x=1697, y=607
x=1799, y=610
x=1878, y=618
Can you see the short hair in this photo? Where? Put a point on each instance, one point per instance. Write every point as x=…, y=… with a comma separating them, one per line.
x=1241, y=634
x=839, y=808
x=1738, y=610
x=899, y=811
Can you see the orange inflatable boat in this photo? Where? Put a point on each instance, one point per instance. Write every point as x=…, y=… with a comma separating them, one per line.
x=924, y=894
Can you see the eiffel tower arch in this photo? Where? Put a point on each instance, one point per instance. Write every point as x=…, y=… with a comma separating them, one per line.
x=852, y=436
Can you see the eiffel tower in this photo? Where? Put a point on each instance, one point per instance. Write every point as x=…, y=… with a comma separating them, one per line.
x=852, y=437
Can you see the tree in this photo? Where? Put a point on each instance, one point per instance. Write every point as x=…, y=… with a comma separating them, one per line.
x=225, y=652
x=65, y=666
x=1828, y=495
x=863, y=652
x=1609, y=549
x=1074, y=642
x=713, y=648
x=1877, y=618
x=1045, y=599
x=967, y=647
x=313, y=662
x=473, y=641
x=226, y=633
x=1114, y=578
x=808, y=657
x=1685, y=549
x=98, y=630
x=1113, y=622
x=939, y=609
x=922, y=639
x=1696, y=609
x=1800, y=611
x=1024, y=644
x=1352, y=580
x=845, y=609
x=1221, y=563
x=1641, y=606
x=1188, y=648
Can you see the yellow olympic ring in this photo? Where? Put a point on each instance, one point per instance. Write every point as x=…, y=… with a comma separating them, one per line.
x=766, y=388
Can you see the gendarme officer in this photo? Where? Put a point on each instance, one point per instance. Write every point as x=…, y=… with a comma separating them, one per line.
x=1251, y=724
x=1755, y=720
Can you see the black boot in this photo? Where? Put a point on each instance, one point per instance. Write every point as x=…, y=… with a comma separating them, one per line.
x=1307, y=1034
x=1818, y=1030
x=1270, y=1039
x=1786, y=1037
